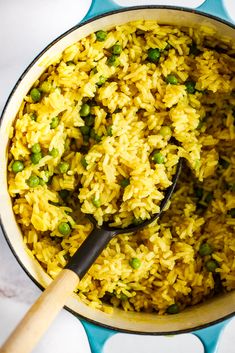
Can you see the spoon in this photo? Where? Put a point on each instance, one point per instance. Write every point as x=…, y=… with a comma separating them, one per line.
x=44, y=310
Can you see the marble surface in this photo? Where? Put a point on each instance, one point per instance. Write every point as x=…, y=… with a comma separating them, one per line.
x=66, y=334
x=27, y=28
x=14, y=283
x=23, y=35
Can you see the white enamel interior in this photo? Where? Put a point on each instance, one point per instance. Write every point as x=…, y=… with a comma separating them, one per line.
x=202, y=314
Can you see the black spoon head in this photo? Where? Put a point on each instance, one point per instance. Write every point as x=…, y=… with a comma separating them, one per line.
x=98, y=239
x=133, y=228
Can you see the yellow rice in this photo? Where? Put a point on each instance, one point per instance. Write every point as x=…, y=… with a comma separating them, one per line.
x=136, y=102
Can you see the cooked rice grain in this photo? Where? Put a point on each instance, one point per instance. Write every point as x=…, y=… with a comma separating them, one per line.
x=127, y=111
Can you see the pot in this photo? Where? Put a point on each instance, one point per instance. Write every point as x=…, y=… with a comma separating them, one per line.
x=199, y=316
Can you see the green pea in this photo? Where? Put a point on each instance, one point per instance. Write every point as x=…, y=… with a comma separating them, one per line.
x=36, y=148
x=212, y=265
x=135, y=263
x=96, y=202
x=230, y=187
x=200, y=125
x=165, y=131
x=45, y=87
x=101, y=81
x=54, y=122
x=209, y=197
x=172, y=79
x=125, y=182
x=98, y=138
x=190, y=86
x=35, y=95
x=158, y=158
x=110, y=130
x=95, y=136
x=54, y=152
x=205, y=249
x=193, y=49
x=89, y=120
x=232, y=212
x=33, y=117
x=84, y=162
x=137, y=221
x=93, y=133
x=198, y=192
x=63, y=167
x=154, y=55
x=113, y=60
x=116, y=49
x=36, y=157
x=17, y=166
x=64, y=194
x=85, y=130
x=173, y=309
x=41, y=182
x=123, y=297
x=86, y=139
x=224, y=163
x=85, y=110
x=33, y=181
x=64, y=228
x=101, y=36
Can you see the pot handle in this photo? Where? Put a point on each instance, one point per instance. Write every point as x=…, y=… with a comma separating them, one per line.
x=97, y=336
x=215, y=8
x=210, y=336
x=99, y=7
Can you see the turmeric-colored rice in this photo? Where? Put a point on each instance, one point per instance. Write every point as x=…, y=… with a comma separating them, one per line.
x=115, y=158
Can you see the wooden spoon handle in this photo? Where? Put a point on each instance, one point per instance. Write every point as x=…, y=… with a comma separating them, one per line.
x=39, y=317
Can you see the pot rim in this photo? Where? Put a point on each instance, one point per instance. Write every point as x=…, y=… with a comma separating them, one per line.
x=41, y=53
